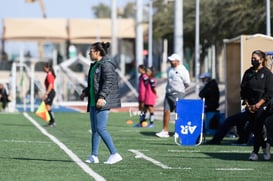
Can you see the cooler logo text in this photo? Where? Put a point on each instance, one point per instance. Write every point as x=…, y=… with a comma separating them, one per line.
x=187, y=129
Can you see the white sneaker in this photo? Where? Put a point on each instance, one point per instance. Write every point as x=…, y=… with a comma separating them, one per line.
x=114, y=158
x=92, y=159
x=253, y=156
x=266, y=152
x=163, y=134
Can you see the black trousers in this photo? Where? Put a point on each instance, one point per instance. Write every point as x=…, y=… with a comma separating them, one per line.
x=50, y=97
x=246, y=122
x=257, y=128
x=239, y=120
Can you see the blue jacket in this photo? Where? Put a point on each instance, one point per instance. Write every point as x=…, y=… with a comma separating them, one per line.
x=105, y=84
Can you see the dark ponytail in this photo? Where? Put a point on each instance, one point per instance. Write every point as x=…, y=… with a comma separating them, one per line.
x=101, y=47
x=51, y=69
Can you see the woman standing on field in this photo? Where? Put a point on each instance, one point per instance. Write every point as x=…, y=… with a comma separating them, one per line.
x=103, y=94
x=50, y=92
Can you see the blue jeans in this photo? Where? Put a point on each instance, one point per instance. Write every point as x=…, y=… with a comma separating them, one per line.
x=98, y=120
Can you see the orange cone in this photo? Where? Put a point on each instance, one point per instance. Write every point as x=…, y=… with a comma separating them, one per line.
x=129, y=121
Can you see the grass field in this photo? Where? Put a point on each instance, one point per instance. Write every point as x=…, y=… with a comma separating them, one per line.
x=27, y=153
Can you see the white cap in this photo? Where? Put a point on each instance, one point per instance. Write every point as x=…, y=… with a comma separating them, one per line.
x=205, y=75
x=174, y=57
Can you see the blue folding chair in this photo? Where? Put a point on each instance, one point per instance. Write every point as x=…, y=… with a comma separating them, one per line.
x=189, y=122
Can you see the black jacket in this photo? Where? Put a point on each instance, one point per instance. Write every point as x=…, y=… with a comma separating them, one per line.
x=211, y=94
x=105, y=84
x=256, y=86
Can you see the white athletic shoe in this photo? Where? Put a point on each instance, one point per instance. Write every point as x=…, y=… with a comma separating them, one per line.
x=114, y=158
x=253, y=156
x=163, y=134
x=92, y=159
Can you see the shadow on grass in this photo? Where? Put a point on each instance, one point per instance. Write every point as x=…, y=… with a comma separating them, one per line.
x=37, y=159
x=229, y=156
x=17, y=125
x=152, y=133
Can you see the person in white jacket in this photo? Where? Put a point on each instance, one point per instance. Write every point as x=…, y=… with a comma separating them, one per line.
x=178, y=79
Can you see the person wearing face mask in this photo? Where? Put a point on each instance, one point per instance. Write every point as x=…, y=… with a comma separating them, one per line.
x=256, y=92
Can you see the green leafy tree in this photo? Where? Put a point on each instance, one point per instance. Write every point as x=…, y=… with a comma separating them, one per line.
x=101, y=11
x=129, y=11
x=219, y=19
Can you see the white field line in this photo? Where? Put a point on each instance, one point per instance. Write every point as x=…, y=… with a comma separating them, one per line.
x=72, y=155
x=234, y=169
x=155, y=162
x=27, y=141
x=77, y=109
x=184, y=151
x=221, y=151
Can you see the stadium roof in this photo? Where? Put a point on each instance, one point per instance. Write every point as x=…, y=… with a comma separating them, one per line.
x=74, y=30
x=87, y=30
x=35, y=29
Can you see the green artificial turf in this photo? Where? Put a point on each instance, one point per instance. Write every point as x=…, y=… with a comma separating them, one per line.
x=27, y=154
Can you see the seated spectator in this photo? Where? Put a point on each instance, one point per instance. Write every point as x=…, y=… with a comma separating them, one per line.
x=210, y=92
x=4, y=98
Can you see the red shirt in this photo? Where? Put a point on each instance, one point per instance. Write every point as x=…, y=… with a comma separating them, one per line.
x=49, y=80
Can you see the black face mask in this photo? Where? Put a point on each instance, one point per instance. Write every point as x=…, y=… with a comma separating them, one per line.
x=255, y=63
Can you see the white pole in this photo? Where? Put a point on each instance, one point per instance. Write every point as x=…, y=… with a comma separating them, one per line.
x=213, y=70
x=32, y=66
x=114, y=36
x=197, y=52
x=54, y=66
x=150, y=54
x=122, y=64
x=164, y=59
x=268, y=23
x=54, y=57
x=178, y=28
x=139, y=35
x=22, y=81
x=13, y=83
